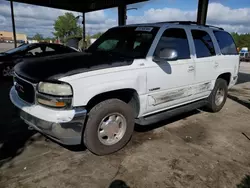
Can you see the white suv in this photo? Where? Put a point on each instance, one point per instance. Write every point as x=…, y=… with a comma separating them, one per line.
x=131, y=74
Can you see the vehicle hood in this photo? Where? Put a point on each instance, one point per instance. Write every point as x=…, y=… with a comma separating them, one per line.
x=59, y=66
x=4, y=56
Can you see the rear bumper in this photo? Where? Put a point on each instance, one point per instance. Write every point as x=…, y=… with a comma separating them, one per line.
x=64, y=126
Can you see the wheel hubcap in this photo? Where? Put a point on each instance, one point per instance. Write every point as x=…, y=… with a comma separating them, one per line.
x=112, y=129
x=8, y=71
x=219, y=97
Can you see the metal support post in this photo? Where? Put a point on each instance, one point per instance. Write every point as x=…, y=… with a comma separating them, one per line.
x=202, y=12
x=13, y=23
x=122, y=14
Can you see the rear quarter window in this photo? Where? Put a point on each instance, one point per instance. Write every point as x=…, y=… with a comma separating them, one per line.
x=226, y=43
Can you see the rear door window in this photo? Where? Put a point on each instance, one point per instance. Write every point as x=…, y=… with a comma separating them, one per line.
x=203, y=44
x=226, y=43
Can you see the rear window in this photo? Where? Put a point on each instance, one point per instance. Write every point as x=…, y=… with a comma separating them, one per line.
x=226, y=43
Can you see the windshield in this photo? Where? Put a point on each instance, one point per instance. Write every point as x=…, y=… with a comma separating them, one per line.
x=131, y=42
x=18, y=49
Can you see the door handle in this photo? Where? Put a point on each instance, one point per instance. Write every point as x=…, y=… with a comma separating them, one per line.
x=190, y=68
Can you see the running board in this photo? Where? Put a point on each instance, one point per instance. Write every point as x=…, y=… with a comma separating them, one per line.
x=148, y=120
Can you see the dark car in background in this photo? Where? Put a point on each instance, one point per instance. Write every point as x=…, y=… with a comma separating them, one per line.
x=11, y=57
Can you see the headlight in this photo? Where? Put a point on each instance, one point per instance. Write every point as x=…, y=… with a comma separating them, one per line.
x=61, y=89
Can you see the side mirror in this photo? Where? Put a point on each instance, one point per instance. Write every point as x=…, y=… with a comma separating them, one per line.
x=166, y=54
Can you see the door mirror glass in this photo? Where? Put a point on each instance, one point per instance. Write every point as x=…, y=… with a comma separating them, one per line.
x=166, y=54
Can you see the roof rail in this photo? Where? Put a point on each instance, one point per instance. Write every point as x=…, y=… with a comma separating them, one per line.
x=191, y=23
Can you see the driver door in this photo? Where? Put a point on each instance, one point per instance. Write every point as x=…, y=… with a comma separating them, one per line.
x=169, y=83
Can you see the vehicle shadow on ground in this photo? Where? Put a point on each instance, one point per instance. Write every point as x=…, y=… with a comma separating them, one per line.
x=146, y=128
x=14, y=133
x=245, y=182
x=13, y=142
x=73, y=148
x=236, y=99
x=243, y=78
x=118, y=184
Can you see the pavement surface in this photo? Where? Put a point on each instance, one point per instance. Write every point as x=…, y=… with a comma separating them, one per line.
x=6, y=46
x=197, y=149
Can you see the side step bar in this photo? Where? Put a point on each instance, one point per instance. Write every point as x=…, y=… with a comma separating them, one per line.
x=148, y=120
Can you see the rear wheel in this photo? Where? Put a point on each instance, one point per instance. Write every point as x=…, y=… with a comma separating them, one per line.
x=218, y=96
x=109, y=127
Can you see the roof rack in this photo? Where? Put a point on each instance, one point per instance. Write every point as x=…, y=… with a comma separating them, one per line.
x=192, y=23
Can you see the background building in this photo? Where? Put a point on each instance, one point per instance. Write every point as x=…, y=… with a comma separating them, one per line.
x=8, y=36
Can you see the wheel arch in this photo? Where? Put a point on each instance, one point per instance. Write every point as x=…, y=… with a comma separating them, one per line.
x=225, y=76
x=127, y=95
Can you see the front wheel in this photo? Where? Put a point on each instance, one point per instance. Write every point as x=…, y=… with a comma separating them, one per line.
x=109, y=127
x=218, y=96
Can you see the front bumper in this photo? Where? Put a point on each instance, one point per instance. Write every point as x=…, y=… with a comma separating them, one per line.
x=64, y=126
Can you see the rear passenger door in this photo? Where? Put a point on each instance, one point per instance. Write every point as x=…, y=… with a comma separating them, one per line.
x=205, y=63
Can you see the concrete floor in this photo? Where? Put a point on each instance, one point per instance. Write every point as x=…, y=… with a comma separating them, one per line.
x=6, y=46
x=197, y=149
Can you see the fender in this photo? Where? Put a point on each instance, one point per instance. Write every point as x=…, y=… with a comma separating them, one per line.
x=87, y=88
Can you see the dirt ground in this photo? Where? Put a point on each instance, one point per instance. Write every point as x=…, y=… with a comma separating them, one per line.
x=197, y=149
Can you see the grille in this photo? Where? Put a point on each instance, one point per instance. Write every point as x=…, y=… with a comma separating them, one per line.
x=24, y=90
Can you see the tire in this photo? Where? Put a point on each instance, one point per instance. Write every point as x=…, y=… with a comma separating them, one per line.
x=111, y=109
x=213, y=104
